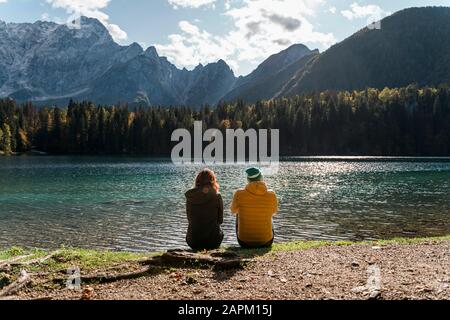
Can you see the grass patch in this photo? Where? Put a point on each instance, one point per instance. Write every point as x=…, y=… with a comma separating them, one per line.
x=18, y=251
x=411, y=240
x=93, y=259
x=306, y=245
x=70, y=257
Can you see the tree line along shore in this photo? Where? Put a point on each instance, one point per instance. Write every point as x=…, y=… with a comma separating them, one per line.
x=409, y=121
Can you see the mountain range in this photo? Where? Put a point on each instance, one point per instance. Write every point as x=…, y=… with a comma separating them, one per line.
x=49, y=63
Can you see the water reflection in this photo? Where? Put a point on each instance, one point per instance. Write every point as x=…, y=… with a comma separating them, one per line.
x=138, y=203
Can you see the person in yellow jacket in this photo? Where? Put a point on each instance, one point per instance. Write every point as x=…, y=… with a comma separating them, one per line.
x=255, y=207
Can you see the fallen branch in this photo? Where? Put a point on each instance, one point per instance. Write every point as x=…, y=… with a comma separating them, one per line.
x=107, y=278
x=35, y=261
x=11, y=298
x=178, y=258
x=184, y=258
x=14, y=259
x=175, y=258
x=6, y=263
x=6, y=266
x=42, y=299
x=39, y=274
x=23, y=280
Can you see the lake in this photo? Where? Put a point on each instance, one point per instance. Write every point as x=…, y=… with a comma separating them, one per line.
x=138, y=204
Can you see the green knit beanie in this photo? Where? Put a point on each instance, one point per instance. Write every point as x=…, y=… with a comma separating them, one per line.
x=253, y=174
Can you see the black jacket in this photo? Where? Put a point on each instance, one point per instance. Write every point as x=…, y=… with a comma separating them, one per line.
x=204, y=209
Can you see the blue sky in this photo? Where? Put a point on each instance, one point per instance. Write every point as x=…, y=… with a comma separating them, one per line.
x=242, y=32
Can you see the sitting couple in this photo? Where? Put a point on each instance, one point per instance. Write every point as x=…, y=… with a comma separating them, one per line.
x=254, y=207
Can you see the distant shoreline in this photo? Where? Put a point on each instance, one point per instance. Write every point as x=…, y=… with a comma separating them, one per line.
x=288, y=158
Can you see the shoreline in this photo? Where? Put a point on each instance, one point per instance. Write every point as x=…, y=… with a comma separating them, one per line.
x=283, y=157
x=409, y=268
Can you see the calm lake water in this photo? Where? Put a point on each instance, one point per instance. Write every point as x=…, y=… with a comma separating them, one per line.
x=138, y=203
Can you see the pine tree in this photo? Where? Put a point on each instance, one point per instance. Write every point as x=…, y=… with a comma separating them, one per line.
x=1, y=140
x=5, y=143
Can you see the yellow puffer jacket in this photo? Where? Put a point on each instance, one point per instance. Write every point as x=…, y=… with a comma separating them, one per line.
x=255, y=207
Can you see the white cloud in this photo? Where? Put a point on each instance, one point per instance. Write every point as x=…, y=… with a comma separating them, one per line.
x=194, y=46
x=190, y=3
x=3, y=1
x=91, y=9
x=260, y=28
x=332, y=10
x=369, y=11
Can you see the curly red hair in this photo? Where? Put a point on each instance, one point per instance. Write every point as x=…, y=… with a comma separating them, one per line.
x=207, y=178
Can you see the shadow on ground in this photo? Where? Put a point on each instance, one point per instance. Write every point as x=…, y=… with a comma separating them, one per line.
x=238, y=258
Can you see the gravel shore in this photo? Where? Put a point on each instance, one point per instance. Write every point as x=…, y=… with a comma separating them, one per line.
x=397, y=271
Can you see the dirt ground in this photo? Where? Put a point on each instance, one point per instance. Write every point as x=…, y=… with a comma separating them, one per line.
x=413, y=271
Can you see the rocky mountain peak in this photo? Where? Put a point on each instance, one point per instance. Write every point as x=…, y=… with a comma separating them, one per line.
x=222, y=64
x=151, y=53
x=219, y=68
x=268, y=78
x=89, y=27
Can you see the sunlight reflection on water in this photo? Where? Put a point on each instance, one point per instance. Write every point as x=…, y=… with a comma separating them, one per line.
x=138, y=203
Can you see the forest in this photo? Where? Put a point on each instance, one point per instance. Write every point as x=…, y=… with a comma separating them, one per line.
x=408, y=121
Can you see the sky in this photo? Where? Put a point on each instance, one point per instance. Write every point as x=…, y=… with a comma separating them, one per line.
x=242, y=32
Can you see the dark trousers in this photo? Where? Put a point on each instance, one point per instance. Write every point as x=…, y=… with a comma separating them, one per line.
x=250, y=246
x=205, y=244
